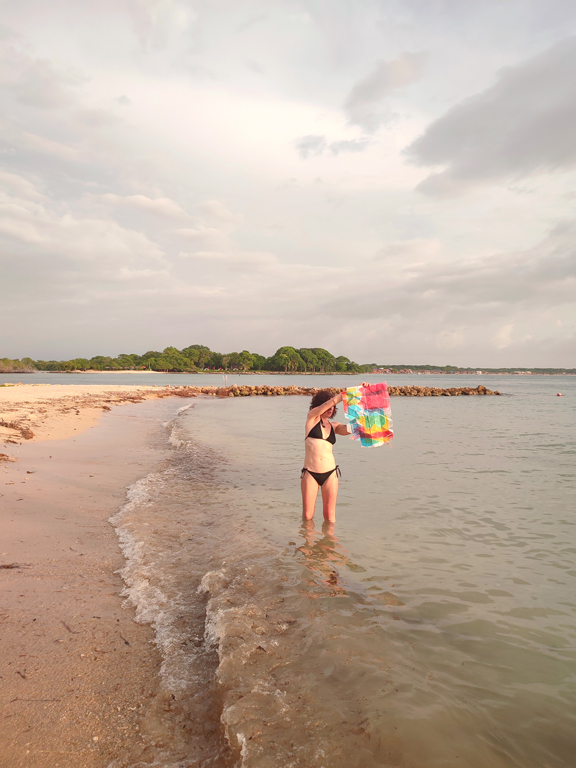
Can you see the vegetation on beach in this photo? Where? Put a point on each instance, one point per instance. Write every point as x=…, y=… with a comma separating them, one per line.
x=26, y=365
x=196, y=358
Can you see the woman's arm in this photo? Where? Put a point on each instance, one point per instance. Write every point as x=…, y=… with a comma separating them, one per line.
x=341, y=429
x=315, y=413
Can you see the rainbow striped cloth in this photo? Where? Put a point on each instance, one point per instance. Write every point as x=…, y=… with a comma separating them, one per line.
x=368, y=411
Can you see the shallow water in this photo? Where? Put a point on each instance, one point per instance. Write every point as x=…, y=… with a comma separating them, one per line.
x=433, y=626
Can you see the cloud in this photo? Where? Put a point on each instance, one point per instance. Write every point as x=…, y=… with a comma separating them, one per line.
x=193, y=171
x=361, y=105
x=214, y=210
x=412, y=251
x=212, y=231
x=253, y=66
x=36, y=82
x=161, y=206
x=203, y=238
x=85, y=242
x=310, y=146
x=450, y=339
x=503, y=336
x=18, y=186
x=523, y=124
x=158, y=23
x=32, y=142
x=351, y=145
x=235, y=261
x=17, y=223
x=483, y=290
x=254, y=18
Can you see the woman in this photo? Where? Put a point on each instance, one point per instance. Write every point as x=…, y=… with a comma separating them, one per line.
x=320, y=469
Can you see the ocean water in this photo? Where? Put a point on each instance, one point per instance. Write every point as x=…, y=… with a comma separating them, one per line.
x=274, y=379
x=433, y=625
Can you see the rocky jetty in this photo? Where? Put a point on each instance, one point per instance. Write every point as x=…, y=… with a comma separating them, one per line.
x=246, y=390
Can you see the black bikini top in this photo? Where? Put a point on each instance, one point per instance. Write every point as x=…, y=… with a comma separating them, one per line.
x=316, y=432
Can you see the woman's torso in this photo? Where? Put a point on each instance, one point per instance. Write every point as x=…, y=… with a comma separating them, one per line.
x=319, y=456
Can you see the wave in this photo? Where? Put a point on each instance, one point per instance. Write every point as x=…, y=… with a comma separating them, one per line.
x=288, y=673
x=154, y=598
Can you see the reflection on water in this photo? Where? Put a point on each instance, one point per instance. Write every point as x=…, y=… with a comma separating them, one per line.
x=323, y=553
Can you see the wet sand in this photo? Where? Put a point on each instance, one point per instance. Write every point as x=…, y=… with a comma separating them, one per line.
x=78, y=675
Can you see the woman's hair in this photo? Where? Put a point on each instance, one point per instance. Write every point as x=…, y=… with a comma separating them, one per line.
x=321, y=397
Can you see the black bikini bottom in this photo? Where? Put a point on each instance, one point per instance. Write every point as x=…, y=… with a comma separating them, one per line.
x=321, y=477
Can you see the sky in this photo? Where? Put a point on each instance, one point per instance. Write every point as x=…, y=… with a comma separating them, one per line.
x=393, y=180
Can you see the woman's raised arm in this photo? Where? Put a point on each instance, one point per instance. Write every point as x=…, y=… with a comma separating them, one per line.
x=316, y=413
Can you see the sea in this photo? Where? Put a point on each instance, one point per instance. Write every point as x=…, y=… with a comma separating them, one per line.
x=434, y=625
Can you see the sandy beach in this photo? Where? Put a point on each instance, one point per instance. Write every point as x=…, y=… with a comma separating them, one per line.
x=55, y=412
x=78, y=674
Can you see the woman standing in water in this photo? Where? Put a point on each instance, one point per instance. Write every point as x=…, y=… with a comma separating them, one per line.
x=320, y=468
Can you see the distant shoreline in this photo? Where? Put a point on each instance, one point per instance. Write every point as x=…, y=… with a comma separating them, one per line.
x=289, y=373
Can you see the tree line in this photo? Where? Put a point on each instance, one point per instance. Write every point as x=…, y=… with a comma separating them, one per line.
x=197, y=358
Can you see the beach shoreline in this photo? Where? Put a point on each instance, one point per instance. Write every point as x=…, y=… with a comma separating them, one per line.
x=45, y=411
x=78, y=673
x=55, y=412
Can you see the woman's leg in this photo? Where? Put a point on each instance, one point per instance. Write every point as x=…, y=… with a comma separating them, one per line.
x=309, y=495
x=329, y=495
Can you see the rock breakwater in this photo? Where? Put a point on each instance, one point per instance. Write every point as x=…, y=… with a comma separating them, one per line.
x=246, y=390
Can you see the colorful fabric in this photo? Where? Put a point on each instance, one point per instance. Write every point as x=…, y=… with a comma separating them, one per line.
x=368, y=411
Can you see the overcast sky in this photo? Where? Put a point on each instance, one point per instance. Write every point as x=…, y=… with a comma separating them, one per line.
x=394, y=180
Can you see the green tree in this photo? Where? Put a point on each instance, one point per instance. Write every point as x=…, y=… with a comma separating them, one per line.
x=127, y=362
x=258, y=362
x=233, y=361
x=286, y=359
x=216, y=361
x=101, y=363
x=172, y=360
x=191, y=354
x=200, y=355
x=311, y=362
x=246, y=360
x=79, y=364
x=326, y=360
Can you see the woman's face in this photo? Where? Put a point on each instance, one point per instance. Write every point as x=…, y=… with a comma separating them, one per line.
x=329, y=413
